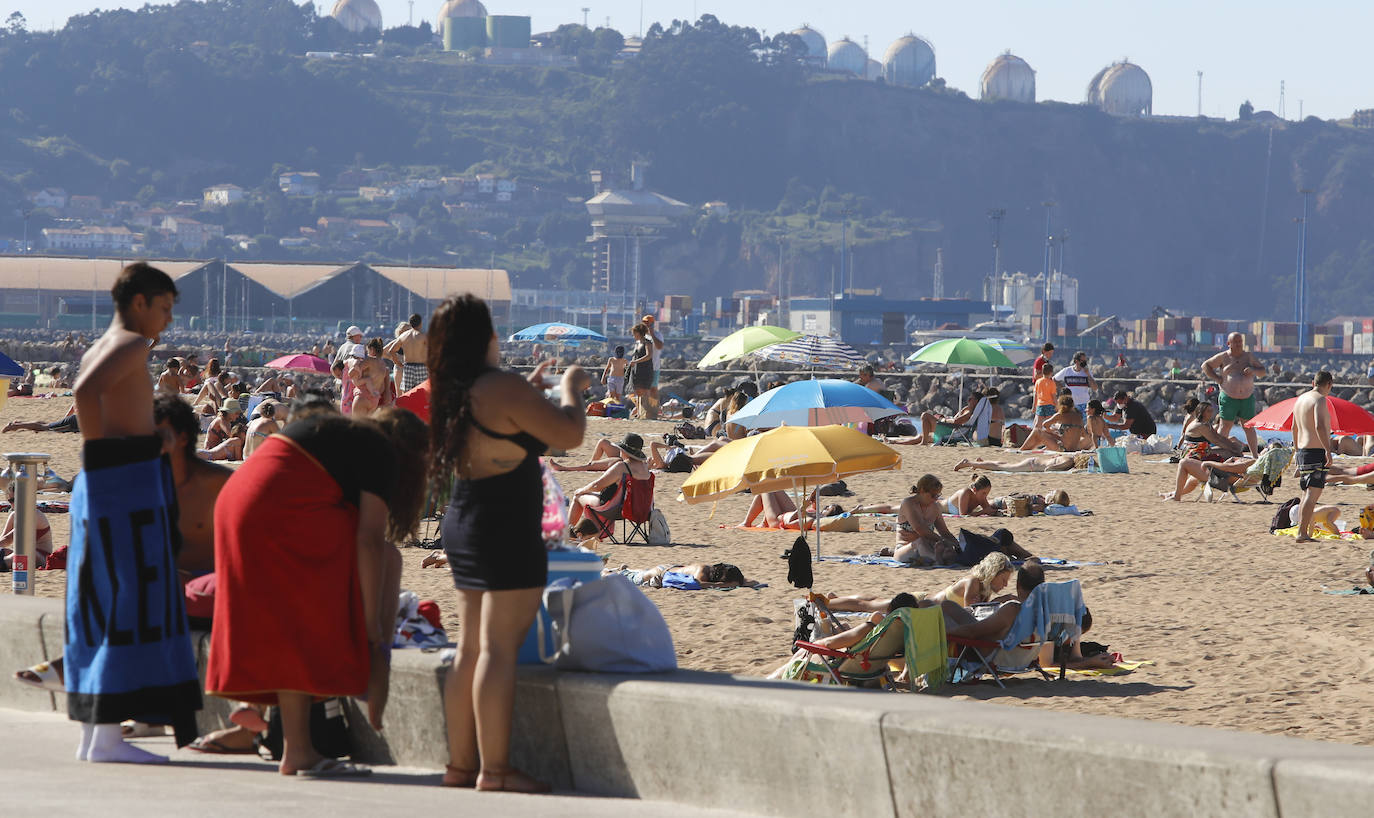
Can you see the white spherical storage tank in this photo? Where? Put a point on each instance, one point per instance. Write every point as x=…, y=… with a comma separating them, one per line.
x=357, y=15
x=1009, y=77
x=815, y=43
x=848, y=56
x=910, y=62
x=1122, y=89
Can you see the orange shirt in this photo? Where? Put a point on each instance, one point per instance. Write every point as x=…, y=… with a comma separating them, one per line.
x=1046, y=390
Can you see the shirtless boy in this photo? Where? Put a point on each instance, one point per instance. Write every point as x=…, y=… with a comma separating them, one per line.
x=1312, y=439
x=414, y=347
x=613, y=376
x=1235, y=370
x=128, y=652
x=169, y=382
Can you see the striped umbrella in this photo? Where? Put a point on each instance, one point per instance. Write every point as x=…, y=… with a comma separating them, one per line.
x=815, y=352
x=1017, y=352
x=556, y=332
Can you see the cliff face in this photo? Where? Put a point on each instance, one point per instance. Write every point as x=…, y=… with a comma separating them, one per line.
x=1157, y=211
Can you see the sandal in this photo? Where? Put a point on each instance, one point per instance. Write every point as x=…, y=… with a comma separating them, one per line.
x=334, y=768
x=510, y=780
x=45, y=676
x=458, y=777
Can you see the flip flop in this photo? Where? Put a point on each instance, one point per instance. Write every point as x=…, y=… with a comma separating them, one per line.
x=138, y=729
x=48, y=679
x=334, y=768
x=211, y=746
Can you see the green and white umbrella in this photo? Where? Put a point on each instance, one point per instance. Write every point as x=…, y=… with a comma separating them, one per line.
x=742, y=342
x=961, y=352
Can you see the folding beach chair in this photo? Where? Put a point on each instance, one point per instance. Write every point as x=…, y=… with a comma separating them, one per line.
x=1264, y=475
x=1052, y=614
x=974, y=432
x=870, y=661
x=632, y=504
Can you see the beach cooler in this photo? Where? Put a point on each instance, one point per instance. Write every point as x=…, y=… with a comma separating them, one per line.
x=578, y=565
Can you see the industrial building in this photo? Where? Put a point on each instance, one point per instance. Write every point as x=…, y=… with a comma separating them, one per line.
x=465, y=25
x=1010, y=78
x=623, y=221
x=74, y=293
x=814, y=41
x=874, y=319
x=847, y=56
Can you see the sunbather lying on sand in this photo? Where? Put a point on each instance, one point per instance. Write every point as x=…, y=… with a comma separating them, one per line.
x=978, y=585
x=1037, y=502
x=719, y=575
x=779, y=511
x=606, y=454
x=1038, y=463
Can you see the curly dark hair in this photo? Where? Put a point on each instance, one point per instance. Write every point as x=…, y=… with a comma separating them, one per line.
x=460, y=331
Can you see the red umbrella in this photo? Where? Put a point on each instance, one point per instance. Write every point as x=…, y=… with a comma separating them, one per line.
x=1346, y=418
x=300, y=363
x=416, y=400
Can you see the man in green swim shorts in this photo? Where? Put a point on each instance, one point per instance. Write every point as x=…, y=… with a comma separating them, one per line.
x=1234, y=370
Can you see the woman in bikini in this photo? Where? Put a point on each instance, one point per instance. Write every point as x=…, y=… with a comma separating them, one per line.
x=1201, y=440
x=980, y=584
x=972, y=500
x=718, y=575
x=605, y=489
x=1036, y=463
x=1097, y=424
x=922, y=536
x=1063, y=432
x=262, y=427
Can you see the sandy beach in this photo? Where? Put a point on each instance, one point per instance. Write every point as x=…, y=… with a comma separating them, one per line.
x=1233, y=618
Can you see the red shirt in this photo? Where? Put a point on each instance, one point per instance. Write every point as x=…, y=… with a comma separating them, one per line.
x=1039, y=362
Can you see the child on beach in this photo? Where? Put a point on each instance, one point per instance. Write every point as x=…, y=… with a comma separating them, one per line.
x=128, y=652
x=1046, y=392
x=613, y=376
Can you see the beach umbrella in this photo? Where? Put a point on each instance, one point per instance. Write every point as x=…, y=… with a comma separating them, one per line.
x=1016, y=352
x=961, y=352
x=785, y=459
x=1346, y=418
x=815, y=352
x=815, y=403
x=8, y=368
x=742, y=342
x=556, y=332
x=300, y=363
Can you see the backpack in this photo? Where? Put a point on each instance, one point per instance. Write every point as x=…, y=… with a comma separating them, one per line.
x=1282, y=519
x=659, y=533
x=328, y=731
x=690, y=431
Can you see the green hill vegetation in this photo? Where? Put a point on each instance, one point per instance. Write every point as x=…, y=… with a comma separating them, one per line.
x=156, y=104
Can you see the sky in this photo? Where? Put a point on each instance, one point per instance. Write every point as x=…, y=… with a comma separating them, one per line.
x=1244, y=49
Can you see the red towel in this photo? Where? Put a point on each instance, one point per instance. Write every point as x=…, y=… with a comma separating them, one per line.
x=288, y=607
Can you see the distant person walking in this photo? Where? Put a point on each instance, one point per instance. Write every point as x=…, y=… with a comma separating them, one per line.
x=613, y=376
x=1312, y=439
x=1235, y=370
x=642, y=372
x=489, y=429
x=655, y=353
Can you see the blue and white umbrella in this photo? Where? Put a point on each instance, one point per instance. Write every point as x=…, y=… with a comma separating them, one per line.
x=8, y=368
x=814, y=352
x=815, y=403
x=556, y=332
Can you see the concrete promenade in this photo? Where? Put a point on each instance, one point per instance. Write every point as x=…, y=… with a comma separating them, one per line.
x=704, y=740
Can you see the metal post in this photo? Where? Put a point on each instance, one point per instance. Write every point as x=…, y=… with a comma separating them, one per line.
x=844, y=249
x=25, y=468
x=1045, y=305
x=1302, y=274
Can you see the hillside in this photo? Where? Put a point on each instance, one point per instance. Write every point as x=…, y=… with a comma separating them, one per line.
x=157, y=104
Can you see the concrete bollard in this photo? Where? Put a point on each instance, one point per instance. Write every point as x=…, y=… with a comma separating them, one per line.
x=25, y=468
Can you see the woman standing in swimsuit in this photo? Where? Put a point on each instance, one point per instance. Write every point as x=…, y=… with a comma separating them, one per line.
x=484, y=422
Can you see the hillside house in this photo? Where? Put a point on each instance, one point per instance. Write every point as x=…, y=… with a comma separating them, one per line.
x=222, y=195
x=297, y=183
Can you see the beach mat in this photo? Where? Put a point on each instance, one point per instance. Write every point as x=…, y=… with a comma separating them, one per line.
x=1049, y=563
x=1118, y=669
x=1358, y=590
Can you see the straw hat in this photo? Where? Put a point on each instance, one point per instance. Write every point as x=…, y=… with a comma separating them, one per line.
x=632, y=445
x=231, y=405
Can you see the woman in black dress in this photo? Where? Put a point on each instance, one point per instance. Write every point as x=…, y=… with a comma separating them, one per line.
x=489, y=429
x=641, y=367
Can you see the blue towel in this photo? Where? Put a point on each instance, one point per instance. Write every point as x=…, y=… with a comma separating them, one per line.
x=128, y=650
x=1053, y=610
x=680, y=580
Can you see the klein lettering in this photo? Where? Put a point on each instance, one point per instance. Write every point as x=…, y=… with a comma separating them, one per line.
x=101, y=622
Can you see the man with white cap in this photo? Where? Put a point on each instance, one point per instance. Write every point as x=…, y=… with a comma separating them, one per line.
x=351, y=348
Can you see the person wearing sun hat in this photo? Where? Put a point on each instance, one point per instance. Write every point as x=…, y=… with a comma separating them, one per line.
x=606, y=493
x=352, y=347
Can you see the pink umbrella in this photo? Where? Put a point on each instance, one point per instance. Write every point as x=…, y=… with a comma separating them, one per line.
x=300, y=363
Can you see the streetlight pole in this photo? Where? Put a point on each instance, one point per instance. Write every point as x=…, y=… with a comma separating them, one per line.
x=844, y=249
x=995, y=216
x=1049, y=244
x=25, y=248
x=1302, y=273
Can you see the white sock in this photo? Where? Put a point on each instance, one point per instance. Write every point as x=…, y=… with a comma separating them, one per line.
x=83, y=749
x=109, y=747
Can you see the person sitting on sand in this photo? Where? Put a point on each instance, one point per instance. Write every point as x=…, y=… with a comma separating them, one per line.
x=1096, y=421
x=66, y=424
x=42, y=537
x=1061, y=432
x=1036, y=463
x=718, y=575
x=978, y=585
x=972, y=500
x=922, y=536
x=633, y=465
x=230, y=412
x=262, y=427
x=169, y=380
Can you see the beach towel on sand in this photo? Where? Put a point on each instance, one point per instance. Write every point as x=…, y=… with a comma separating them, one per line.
x=288, y=604
x=128, y=650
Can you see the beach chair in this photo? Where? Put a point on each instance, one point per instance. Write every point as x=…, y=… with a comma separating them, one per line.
x=1264, y=475
x=631, y=505
x=973, y=433
x=871, y=660
x=1052, y=614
